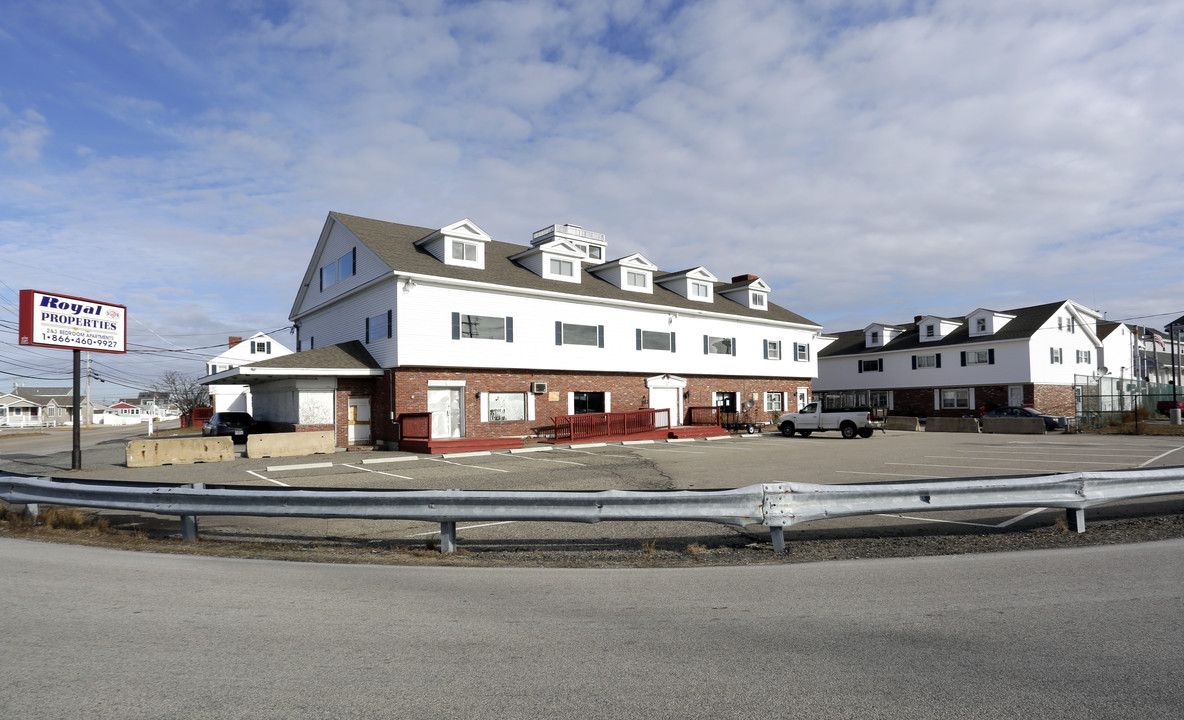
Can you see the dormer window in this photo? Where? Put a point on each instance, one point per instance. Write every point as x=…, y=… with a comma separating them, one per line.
x=461, y=243
x=699, y=291
x=636, y=279
x=875, y=337
x=980, y=325
x=758, y=300
x=928, y=331
x=694, y=284
x=465, y=251
x=563, y=268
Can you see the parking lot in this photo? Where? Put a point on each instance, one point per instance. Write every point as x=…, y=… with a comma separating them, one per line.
x=724, y=463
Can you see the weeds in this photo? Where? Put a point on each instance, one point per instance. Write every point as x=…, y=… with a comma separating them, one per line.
x=696, y=550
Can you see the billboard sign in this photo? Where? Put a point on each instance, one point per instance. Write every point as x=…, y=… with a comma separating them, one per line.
x=62, y=321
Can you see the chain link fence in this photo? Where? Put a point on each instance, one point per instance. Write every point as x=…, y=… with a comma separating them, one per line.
x=1107, y=402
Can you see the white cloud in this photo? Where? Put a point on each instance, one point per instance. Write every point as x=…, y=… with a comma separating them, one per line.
x=25, y=136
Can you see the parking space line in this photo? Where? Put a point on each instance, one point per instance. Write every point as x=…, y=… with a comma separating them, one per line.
x=466, y=527
x=908, y=475
x=1058, y=462
x=306, y=466
x=1003, y=524
x=1162, y=455
x=970, y=467
x=478, y=467
x=264, y=477
x=377, y=472
x=538, y=459
x=687, y=452
x=584, y=452
x=1021, y=452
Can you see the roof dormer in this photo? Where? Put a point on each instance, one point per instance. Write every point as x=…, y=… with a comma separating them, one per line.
x=748, y=290
x=461, y=244
x=879, y=334
x=983, y=322
x=591, y=245
x=554, y=260
x=932, y=328
x=633, y=273
x=695, y=284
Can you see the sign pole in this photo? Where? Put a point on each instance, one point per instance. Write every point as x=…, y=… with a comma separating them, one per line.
x=76, y=456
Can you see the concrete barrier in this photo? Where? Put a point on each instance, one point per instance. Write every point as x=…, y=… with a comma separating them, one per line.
x=900, y=422
x=290, y=444
x=179, y=451
x=949, y=424
x=1014, y=425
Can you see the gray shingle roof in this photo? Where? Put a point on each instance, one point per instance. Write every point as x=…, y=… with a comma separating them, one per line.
x=351, y=355
x=1027, y=321
x=395, y=245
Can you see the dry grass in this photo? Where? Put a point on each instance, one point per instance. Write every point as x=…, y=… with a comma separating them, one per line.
x=1059, y=525
x=53, y=518
x=696, y=550
x=650, y=547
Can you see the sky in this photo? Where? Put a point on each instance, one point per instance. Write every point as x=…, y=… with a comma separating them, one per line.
x=871, y=160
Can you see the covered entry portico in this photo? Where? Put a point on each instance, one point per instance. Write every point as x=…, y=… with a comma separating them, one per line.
x=666, y=393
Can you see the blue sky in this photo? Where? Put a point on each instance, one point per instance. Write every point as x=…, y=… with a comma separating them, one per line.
x=871, y=160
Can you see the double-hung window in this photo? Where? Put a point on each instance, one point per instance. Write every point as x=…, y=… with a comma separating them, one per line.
x=772, y=349
x=922, y=362
x=955, y=398
x=801, y=352
x=774, y=401
x=1055, y=357
x=1083, y=357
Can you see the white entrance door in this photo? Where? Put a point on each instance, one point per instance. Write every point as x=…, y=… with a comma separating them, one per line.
x=1015, y=395
x=359, y=420
x=803, y=398
x=666, y=399
x=444, y=405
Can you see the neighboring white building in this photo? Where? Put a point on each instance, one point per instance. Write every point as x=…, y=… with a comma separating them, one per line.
x=227, y=397
x=495, y=339
x=955, y=366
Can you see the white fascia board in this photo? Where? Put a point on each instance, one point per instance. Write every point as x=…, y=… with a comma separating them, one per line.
x=306, y=282
x=552, y=295
x=240, y=374
x=1086, y=327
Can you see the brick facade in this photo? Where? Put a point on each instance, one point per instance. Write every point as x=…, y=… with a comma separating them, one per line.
x=1051, y=399
x=628, y=392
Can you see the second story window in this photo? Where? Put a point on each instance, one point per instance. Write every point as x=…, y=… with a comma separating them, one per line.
x=482, y=327
x=635, y=279
x=561, y=267
x=652, y=340
x=340, y=269
x=719, y=345
x=466, y=251
x=699, y=290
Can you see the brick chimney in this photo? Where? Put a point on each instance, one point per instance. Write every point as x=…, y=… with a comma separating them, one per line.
x=235, y=340
x=744, y=278
x=918, y=318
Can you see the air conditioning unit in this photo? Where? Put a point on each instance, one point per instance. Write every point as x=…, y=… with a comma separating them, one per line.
x=538, y=388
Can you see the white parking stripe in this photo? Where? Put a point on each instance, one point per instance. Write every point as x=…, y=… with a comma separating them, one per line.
x=377, y=472
x=538, y=459
x=1062, y=462
x=1163, y=455
x=478, y=467
x=1017, y=452
x=466, y=527
x=264, y=477
x=970, y=467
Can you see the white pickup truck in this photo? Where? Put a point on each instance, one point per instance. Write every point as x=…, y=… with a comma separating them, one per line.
x=851, y=422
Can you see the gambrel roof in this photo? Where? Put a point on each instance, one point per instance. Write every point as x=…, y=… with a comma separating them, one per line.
x=395, y=244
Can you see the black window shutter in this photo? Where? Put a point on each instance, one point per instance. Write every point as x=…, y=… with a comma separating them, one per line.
x=367, y=330
x=860, y=365
x=880, y=365
x=937, y=360
x=509, y=329
x=268, y=347
x=456, y=326
x=671, y=342
x=252, y=347
x=766, y=342
x=390, y=323
x=733, y=347
x=706, y=349
x=353, y=262
x=638, y=338
x=963, y=358
x=914, y=362
x=991, y=356
x=599, y=336
x=558, y=332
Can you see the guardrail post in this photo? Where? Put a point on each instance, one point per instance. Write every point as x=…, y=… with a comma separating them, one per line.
x=448, y=537
x=32, y=510
x=1076, y=518
x=777, y=535
x=189, y=522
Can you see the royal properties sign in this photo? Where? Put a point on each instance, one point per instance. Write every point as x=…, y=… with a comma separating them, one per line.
x=62, y=321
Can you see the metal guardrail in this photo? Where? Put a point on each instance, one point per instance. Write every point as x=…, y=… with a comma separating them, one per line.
x=774, y=505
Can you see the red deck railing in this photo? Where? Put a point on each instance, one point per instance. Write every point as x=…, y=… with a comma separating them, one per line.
x=589, y=425
x=704, y=415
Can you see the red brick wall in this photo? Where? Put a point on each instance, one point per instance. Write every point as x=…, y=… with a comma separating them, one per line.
x=629, y=392
x=1052, y=399
x=1055, y=399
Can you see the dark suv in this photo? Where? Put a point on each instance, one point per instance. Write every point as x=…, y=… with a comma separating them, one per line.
x=234, y=424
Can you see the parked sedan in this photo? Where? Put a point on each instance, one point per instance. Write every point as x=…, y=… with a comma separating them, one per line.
x=234, y=424
x=1051, y=422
